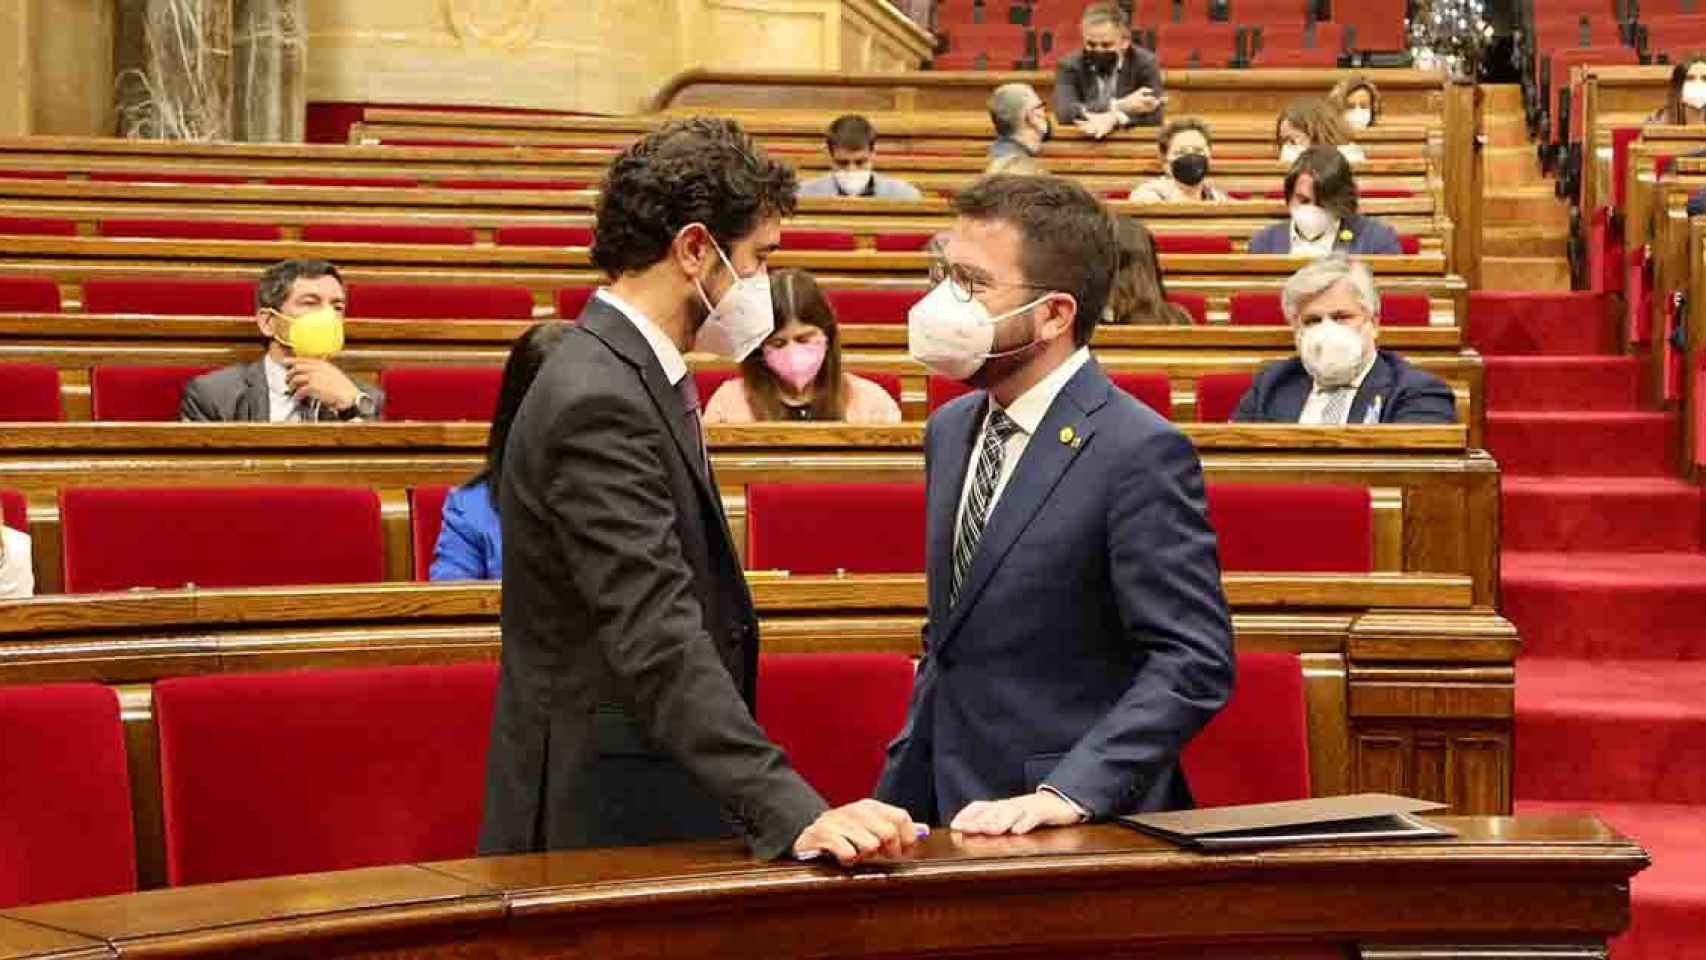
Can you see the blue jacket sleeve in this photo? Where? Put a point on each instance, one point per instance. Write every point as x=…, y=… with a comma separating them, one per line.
x=457, y=555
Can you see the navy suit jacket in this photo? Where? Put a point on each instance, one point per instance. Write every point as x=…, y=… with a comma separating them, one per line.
x=1368, y=236
x=1408, y=394
x=1074, y=86
x=1090, y=639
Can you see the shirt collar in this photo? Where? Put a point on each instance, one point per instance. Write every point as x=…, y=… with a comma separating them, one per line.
x=668, y=354
x=1029, y=408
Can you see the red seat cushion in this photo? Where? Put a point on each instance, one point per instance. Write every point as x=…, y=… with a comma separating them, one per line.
x=432, y=301
x=478, y=184
x=65, y=820
x=302, y=771
x=201, y=298
x=572, y=300
x=28, y=295
x=441, y=393
x=1194, y=304
x=426, y=516
x=1256, y=750
x=118, y=538
x=37, y=226
x=1218, y=395
x=903, y=242
x=544, y=236
x=839, y=751
x=29, y=392
x=938, y=390
x=387, y=233
x=818, y=240
x=1152, y=389
x=1295, y=528
x=1257, y=309
x=33, y=175
x=1191, y=243
x=140, y=393
x=810, y=528
x=1405, y=310
x=14, y=509
x=189, y=230
x=343, y=182
x=872, y=306
x=1409, y=243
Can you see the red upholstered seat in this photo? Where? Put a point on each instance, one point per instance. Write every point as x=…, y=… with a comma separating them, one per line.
x=118, y=538
x=839, y=751
x=1194, y=304
x=1218, y=395
x=1387, y=193
x=160, y=229
x=1153, y=389
x=201, y=298
x=37, y=226
x=162, y=176
x=14, y=509
x=343, y=182
x=824, y=527
x=302, y=771
x=1396, y=309
x=1409, y=243
x=1405, y=310
x=1303, y=527
x=1256, y=309
x=29, y=392
x=872, y=306
x=65, y=820
x=938, y=390
x=572, y=300
x=544, y=236
x=818, y=240
x=28, y=295
x=140, y=393
x=903, y=242
x=1191, y=243
x=426, y=516
x=33, y=175
x=478, y=184
x=434, y=301
x=1256, y=750
x=387, y=233
x=709, y=380
x=441, y=393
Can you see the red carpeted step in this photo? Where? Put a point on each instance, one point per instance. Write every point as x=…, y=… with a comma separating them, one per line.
x=1587, y=443
x=1600, y=513
x=1530, y=322
x=1607, y=606
x=1563, y=383
x=1628, y=730
x=1669, y=897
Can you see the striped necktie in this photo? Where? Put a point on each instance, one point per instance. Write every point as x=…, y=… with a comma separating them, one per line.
x=990, y=454
x=1338, y=402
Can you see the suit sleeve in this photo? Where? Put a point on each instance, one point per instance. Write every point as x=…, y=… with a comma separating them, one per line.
x=612, y=509
x=905, y=781
x=1165, y=576
x=1425, y=399
x=1148, y=75
x=1068, y=104
x=456, y=555
x=1249, y=406
x=1267, y=240
x=194, y=406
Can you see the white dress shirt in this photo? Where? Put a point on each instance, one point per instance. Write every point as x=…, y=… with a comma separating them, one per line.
x=17, y=576
x=1316, y=406
x=281, y=407
x=668, y=354
x=1319, y=247
x=1027, y=413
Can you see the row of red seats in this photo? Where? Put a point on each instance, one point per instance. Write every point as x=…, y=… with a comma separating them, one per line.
x=234, y=536
x=306, y=771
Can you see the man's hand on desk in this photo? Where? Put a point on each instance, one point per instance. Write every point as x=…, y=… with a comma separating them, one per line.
x=1017, y=815
x=1141, y=100
x=1098, y=125
x=858, y=832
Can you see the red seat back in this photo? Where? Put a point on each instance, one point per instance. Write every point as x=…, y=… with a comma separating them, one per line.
x=482, y=184
x=37, y=227
x=1218, y=395
x=426, y=516
x=302, y=771
x=903, y=242
x=65, y=819
x=1194, y=304
x=161, y=229
x=938, y=390
x=162, y=176
x=388, y=233
x=435, y=301
x=818, y=240
x=140, y=393
x=839, y=751
x=118, y=538
x=441, y=393
x=1256, y=309
x=544, y=236
x=1152, y=389
x=1191, y=243
x=28, y=295
x=1294, y=528
x=14, y=509
x=29, y=392
x=1256, y=750
x=572, y=300
x=1405, y=310
x=709, y=380
x=873, y=306
x=809, y=528
x=199, y=298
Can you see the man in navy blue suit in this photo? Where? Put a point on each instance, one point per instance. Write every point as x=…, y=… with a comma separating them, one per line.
x=1077, y=636
x=1339, y=376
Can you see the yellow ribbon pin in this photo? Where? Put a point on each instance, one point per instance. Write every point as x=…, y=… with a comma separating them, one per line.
x=1345, y=235
x=1066, y=435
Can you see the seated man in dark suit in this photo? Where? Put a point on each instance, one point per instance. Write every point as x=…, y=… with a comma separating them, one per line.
x=1339, y=377
x=1110, y=84
x=1322, y=194
x=1021, y=121
x=301, y=315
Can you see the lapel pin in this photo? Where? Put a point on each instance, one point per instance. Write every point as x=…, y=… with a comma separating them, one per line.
x=1345, y=235
x=1071, y=438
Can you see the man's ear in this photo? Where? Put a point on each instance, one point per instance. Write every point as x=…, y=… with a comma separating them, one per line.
x=1062, y=313
x=691, y=247
x=267, y=322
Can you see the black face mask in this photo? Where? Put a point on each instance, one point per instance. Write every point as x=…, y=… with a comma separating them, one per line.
x=1189, y=169
x=1101, y=61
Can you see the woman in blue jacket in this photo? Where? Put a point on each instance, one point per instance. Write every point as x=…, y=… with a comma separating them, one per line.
x=470, y=542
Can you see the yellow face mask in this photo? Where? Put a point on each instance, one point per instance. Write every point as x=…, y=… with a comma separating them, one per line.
x=317, y=334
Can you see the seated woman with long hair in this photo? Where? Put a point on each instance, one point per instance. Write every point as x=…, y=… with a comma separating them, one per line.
x=1685, y=95
x=1312, y=122
x=1358, y=101
x=1139, y=294
x=470, y=541
x=796, y=374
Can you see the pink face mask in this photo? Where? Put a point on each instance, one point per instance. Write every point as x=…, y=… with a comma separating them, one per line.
x=797, y=363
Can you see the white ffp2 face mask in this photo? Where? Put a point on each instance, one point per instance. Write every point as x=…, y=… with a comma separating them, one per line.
x=1694, y=93
x=1310, y=221
x=953, y=334
x=1359, y=117
x=1332, y=353
x=852, y=182
x=741, y=320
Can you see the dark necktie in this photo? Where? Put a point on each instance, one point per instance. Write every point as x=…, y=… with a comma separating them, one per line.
x=1338, y=402
x=688, y=390
x=988, y=472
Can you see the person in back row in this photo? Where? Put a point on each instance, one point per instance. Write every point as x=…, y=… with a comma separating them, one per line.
x=1321, y=193
x=1309, y=122
x=300, y=310
x=1186, y=147
x=1021, y=121
x=852, y=145
x=796, y=374
x=17, y=575
x=1138, y=294
x=1358, y=101
x=1685, y=95
x=1110, y=84
x=470, y=539
x=1339, y=375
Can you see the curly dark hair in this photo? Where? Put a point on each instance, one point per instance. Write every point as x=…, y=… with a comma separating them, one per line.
x=699, y=170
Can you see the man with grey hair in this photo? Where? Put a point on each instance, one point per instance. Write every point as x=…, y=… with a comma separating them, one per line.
x=1339, y=376
x=1111, y=84
x=1021, y=121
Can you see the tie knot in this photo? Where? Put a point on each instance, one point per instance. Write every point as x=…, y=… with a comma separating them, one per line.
x=1002, y=425
x=688, y=390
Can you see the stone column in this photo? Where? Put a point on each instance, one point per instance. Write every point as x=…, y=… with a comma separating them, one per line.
x=270, y=40
x=176, y=83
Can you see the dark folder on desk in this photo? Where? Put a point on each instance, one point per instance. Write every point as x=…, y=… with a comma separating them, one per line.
x=1354, y=819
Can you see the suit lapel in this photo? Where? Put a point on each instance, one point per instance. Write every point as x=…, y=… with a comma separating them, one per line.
x=952, y=435
x=1378, y=383
x=1290, y=394
x=255, y=403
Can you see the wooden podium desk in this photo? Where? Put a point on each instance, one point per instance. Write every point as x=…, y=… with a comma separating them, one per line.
x=1512, y=888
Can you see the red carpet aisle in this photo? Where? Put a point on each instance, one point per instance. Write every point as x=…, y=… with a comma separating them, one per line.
x=1605, y=575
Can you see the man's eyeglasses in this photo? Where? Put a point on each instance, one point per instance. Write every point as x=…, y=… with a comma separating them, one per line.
x=968, y=286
